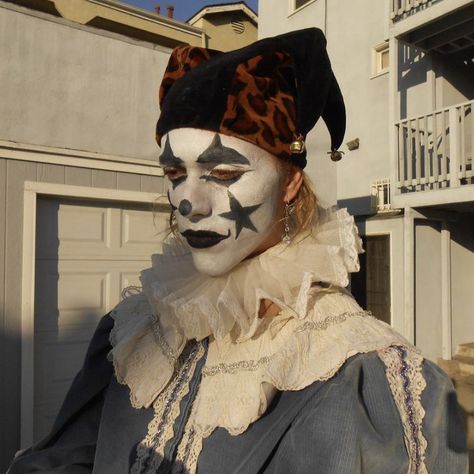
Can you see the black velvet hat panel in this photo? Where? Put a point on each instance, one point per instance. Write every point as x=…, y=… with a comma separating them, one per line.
x=270, y=93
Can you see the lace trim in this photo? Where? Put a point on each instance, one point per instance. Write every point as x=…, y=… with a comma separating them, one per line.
x=403, y=369
x=161, y=341
x=188, y=451
x=253, y=365
x=242, y=365
x=150, y=452
x=197, y=305
x=330, y=320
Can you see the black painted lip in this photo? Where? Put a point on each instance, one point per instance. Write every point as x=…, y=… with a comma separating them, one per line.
x=203, y=239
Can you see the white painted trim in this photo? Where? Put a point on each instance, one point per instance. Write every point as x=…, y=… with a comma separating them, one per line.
x=104, y=194
x=409, y=269
x=446, y=307
x=292, y=10
x=27, y=318
x=78, y=158
x=222, y=9
x=426, y=16
x=435, y=197
x=394, y=115
x=377, y=51
x=30, y=195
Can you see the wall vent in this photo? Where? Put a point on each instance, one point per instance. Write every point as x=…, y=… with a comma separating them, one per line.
x=238, y=26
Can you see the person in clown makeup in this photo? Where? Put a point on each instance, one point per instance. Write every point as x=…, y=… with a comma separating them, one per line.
x=244, y=352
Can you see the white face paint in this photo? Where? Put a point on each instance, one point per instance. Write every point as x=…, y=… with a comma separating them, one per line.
x=225, y=193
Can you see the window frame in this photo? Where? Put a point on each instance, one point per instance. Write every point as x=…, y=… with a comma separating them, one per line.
x=377, y=54
x=293, y=9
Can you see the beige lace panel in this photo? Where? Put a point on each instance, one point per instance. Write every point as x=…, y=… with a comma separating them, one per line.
x=403, y=369
x=253, y=365
x=150, y=452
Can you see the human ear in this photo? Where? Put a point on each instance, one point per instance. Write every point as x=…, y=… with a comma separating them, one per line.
x=293, y=183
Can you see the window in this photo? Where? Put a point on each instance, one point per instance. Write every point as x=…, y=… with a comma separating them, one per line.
x=380, y=59
x=300, y=3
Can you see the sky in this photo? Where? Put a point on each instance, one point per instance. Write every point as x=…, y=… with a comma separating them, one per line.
x=184, y=9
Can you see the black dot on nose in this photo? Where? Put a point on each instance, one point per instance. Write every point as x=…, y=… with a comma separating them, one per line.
x=185, y=207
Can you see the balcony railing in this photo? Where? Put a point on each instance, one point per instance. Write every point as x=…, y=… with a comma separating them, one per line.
x=436, y=150
x=380, y=192
x=402, y=8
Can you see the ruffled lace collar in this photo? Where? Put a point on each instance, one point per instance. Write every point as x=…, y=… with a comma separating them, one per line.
x=229, y=304
x=318, y=327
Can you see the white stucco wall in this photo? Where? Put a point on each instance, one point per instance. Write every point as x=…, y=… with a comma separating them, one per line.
x=462, y=274
x=274, y=18
x=352, y=30
x=65, y=87
x=428, y=325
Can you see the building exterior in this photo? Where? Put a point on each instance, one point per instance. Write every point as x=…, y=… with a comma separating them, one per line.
x=227, y=26
x=78, y=182
x=407, y=74
x=119, y=17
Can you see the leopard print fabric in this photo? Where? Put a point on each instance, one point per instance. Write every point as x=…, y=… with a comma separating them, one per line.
x=182, y=60
x=260, y=105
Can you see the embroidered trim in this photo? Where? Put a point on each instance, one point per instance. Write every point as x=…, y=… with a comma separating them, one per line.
x=403, y=369
x=150, y=452
x=188, y=452
x=253, y=365
x=234, y=367
x=161, y=341
x=329, y=321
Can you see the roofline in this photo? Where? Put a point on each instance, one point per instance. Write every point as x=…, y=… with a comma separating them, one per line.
x=224, y=7
x=148, y=15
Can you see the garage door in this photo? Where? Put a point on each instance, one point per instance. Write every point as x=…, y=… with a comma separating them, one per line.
x=85, y=255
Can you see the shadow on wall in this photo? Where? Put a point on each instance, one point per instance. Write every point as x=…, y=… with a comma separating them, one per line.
x=363, y=205
x=413, y=65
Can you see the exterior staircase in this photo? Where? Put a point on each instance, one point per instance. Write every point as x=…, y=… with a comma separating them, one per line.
x=461, y=371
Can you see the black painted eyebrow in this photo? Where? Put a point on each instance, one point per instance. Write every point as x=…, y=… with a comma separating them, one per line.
x=217, y=154
x=168, y=158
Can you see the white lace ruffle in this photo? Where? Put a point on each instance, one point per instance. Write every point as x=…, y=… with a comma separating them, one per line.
x=229, y=304
x=137, y=355
x=288, y=355
x=249, y=357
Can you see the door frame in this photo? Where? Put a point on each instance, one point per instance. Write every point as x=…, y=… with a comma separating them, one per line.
x=31, y=192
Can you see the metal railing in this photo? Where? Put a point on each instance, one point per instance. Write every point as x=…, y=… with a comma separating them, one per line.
x=402, y=8
x=436, y=150
x=380, y=192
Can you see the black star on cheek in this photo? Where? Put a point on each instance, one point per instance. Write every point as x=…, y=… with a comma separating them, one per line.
x=240, y=214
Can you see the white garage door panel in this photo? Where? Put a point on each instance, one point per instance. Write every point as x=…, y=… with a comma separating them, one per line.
x=83, y=290
x=86, y=255
x=84, y=225
x=129, y=279
x=141, y=234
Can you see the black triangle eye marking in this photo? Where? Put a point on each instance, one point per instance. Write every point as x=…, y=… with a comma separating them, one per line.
x=168, y=158
x=218, y=154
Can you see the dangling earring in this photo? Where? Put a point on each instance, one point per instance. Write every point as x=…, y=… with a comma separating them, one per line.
x=289, y=208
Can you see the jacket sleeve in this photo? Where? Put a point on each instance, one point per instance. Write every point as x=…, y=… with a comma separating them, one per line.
x=355, y=427
x=70, y=446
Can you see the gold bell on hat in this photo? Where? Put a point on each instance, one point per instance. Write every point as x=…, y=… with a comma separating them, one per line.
x=336, y=155
x=297, y=146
